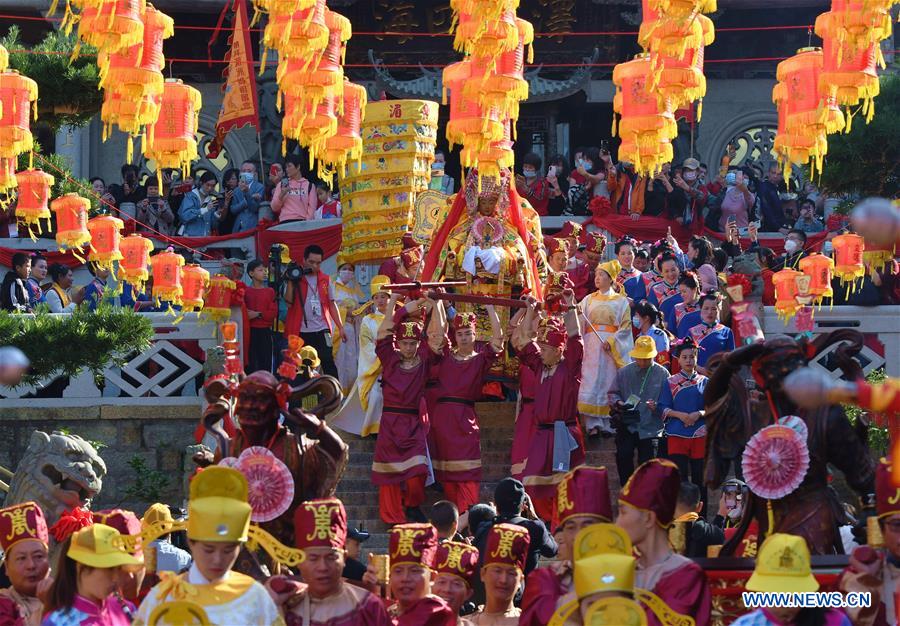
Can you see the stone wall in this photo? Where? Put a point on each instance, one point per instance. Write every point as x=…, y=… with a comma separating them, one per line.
x=159, y=435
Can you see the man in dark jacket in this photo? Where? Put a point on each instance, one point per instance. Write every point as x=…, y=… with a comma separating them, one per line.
x=699, y=534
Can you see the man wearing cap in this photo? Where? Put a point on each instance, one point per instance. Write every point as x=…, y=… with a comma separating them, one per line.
x=217, y=526
x=413, y=551
x=595, y=246
x=400, y=464
x=877, y=570
x=555, y=360
x=131, y=577
x=582, y=500
x=455, y=441
x=362, y=411
x=456, y=566
x=689, y=196
x=646, y=510
x=784, y=566
x=391, y=267
x=354, y=569
x=169, y=558
x=557, y=253
x=24, y=540
x=324, y=599
x=633, y=400
x=503, y=574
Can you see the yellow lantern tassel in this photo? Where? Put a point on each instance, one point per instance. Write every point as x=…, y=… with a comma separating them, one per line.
x=159, y=178
x=262, y=61
x=129, y=151
x=699, y=109
x=871, y=113
x=614, y=133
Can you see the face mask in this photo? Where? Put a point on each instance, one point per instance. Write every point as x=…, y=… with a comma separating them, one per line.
x=247, y=178
x=790, y=246
x=588, y=165
x=346, y=275
x=437, y=167
x=734, y=513
x=827, y=248
x=580, y=162
x=636, y=321
x=690, y=175
x=529, y=173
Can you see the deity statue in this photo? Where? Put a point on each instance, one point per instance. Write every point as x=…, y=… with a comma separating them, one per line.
x=314, y=454
x=733, y=416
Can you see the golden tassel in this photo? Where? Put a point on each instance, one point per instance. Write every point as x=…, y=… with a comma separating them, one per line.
x=129, y=151
x=699, y=110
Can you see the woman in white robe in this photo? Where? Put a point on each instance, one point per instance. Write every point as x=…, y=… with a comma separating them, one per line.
x=348, y=296
x=606, y=317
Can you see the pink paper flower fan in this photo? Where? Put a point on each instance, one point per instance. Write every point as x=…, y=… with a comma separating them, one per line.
x=229, y=461
x=270, y=482
x=795, y=423
x=775, y=462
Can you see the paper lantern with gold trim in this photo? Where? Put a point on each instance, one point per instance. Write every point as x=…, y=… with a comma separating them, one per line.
x=324, y=79
x=470, y=125
x=194, y=282
x=848, y=257
x=680, y=81
x=71, y=221
x=130, y=115
x=4, y=58
x=301, y=33
x=8, y=180
x=171, y=141
x=166, y=267
x=106, y=234
x=851, y=76
x=17, y=93
x=112, y=25
x=486, y=39
x=217, y=305
x=806, y=109
x=34, y=194
x=793, y=148
x=282, y=6
x=854, y=24
x=346, y=144
x=647, y=157
x=310, y=125
x=503, y=86
x=662, y=34
x=819, y=268
x=683, y=9
x=496, y=156
x=487, y=10
x=786, y=292
x=135, y=251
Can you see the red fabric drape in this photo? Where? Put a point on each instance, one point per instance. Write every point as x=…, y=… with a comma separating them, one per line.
x=328, y=238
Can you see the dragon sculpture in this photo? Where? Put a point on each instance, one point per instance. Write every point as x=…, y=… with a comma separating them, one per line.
x=733, y=416
x=58, y=471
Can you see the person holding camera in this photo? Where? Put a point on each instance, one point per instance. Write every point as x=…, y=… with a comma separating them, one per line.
x=633, y=407
x=129, y=191
x=314, y=313
x=154, y=215
x=295, y=197
x=201, y=209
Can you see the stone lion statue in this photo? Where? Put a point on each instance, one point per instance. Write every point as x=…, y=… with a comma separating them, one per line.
x=59, y=472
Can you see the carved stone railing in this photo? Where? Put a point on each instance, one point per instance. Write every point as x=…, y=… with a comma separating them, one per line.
x=170, y=372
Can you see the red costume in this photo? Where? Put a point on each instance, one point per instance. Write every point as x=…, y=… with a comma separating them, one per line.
x=555, y=400
x=323, y=524
x=21, y=522
x=401, y=463
x=455, y=441
x=525, y=425
x=416, y=544
x=677, y=580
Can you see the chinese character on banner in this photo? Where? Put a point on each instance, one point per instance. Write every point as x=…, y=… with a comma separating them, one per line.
x=397, y=17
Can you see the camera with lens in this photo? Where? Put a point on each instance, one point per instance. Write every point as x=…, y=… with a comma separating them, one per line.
x=294, y=272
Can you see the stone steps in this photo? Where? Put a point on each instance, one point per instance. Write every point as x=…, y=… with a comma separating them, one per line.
x=496, y=420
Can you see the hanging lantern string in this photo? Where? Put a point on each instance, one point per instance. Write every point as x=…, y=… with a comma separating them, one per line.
x=88, y=191
x=394, y=33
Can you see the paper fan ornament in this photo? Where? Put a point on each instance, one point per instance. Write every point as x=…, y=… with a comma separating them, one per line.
x=229, y=461
x=775, y=462
x=271, y=486
x=796, y=424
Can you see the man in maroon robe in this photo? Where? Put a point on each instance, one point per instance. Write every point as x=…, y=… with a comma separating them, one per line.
x=413, y=548
x=582, y=500
x=646, y=510
x=878, y=570
x=400, y=464
x=555, y=359
x=324, y=599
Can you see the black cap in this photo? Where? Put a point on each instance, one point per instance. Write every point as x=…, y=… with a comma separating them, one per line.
x=358, y=534
x=509, y=495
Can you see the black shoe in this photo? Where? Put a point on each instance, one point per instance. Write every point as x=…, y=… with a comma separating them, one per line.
x=436, y=486
x=415, y=514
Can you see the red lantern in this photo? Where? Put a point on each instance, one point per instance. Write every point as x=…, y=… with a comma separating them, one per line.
x=486, y=39
x=194, y=281
x=135, y=251
x=106, y=233
x=71, y=221
x=497, y=156
x=470, y=125
x=310, y=124
x=218, y=299
x=503, y=86
x=17, y=92
x=786, y=292
x=346, y=144
x=848, y=257
x=8, y=179
x=325, y=78
x=167, y=276
x=663, y=34
x=807, y=111
x=34, y=193
x=819, y=269
x=850, y=76
x=171, y=141
x=681, y=81
x=112, y=25
x=301, y=33
x=854, y=24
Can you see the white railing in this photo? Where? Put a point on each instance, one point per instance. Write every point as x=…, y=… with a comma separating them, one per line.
x=167, y=373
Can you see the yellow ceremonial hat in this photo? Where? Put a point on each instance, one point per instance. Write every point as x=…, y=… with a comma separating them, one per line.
x=603, y=560
x=157, y=512
x=218, y=510
x=611, y=267
x=102, y=546
x=615, y=612
x=378, y=282
x=783, y=564
x=644, y=348
x=308, y=353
